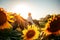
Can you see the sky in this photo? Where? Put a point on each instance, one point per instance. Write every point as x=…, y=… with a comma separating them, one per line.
x=38, y=8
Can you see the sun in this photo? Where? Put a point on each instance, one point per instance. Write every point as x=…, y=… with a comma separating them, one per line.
x=22, y=9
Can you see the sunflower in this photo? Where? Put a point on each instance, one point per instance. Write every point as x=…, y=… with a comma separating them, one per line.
x=31, y=32
x=53, y=25
x=4, y=24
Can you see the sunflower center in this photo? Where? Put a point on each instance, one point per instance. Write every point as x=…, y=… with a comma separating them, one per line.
x=55, y=25
x=30, y=33
x=3, y=18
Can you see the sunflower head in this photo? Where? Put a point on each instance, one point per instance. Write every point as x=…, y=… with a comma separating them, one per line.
x=3, y=17
x=53, y=24
x=31, y=33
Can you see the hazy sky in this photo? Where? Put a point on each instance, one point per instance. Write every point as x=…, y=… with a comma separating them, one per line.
x=38, y=8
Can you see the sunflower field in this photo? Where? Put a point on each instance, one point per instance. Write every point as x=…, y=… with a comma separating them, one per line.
x=15, y=27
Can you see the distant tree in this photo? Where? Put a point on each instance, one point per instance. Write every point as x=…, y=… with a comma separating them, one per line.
x=43, y=21
x=36, y=22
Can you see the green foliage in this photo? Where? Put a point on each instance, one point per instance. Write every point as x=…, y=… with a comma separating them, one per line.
x=9, y=34
x=36, y=22
x=43, y=21
x=42, y=25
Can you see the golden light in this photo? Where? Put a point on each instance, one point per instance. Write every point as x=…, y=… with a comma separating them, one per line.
x=23, y=9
